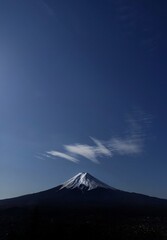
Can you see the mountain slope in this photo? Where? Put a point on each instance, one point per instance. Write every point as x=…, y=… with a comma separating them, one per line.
x=83, y=204
x=84, y=181
x=85, y=190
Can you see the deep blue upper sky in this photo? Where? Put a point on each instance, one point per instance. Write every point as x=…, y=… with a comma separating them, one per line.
x=71, y=70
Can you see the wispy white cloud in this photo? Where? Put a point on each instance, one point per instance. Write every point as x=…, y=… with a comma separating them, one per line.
x=133, y=140
x=129, y=143
x=83, y=150
x=45, y=155
x=125, y=146
x=62, y=155
x=101, y=149
x=39, y=157
x=88, y=151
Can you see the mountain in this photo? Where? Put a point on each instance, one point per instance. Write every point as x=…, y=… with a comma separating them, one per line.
x=83, y=205
x=84, y=190
x=84, y=181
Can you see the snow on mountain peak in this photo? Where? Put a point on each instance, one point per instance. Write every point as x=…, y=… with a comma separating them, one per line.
x=85, y=181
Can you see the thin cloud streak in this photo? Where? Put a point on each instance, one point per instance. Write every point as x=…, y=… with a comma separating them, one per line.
x=39, y=157
x=63, y=155
x=131, y=143
x=101, y=149
x=83, y=150
x=90, y=152
x=125, y=146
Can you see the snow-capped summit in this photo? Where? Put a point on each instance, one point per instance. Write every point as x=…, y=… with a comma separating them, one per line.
x=84, y=181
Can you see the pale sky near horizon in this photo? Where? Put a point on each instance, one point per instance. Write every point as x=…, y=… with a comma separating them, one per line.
x=83, y=89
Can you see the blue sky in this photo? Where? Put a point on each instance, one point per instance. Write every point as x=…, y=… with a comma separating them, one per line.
x=83, y=88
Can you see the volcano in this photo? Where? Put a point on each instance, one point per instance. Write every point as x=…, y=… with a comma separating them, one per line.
x=84, y=181
x=85, y=190
x=83, y=204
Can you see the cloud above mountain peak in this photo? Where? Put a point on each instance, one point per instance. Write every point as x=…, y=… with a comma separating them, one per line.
x=130, y=144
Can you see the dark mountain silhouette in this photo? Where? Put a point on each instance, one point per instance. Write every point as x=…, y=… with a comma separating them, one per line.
x=83, y=205
x=85, y=190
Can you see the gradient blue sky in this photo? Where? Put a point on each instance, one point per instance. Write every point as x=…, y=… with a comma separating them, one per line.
x=71, y=70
